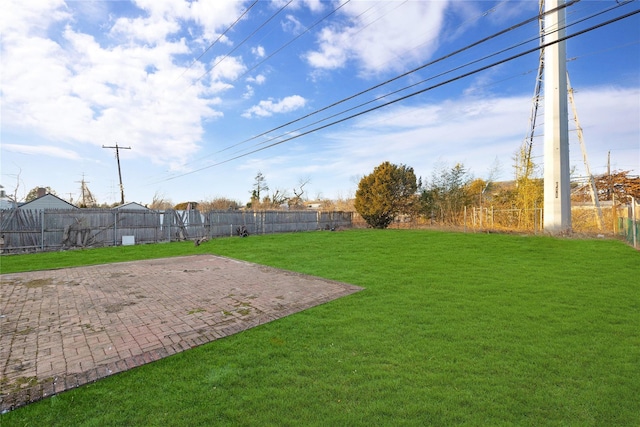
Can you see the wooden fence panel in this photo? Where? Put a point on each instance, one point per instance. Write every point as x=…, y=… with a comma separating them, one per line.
x=47, y=230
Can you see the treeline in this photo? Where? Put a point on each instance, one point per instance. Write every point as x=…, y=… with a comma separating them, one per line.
x=391, y=191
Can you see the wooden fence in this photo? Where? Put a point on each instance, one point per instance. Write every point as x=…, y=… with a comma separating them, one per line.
x=51, y=230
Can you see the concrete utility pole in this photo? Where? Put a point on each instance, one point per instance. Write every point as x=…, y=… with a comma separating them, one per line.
x=557, y=191
x=119, y=172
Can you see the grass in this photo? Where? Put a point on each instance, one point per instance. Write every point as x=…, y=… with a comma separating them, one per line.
x=452, y=329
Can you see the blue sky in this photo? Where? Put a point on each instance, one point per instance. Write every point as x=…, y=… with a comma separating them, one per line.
x=196, y=89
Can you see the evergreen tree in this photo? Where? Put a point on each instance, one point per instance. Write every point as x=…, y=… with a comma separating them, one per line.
x=388, y=191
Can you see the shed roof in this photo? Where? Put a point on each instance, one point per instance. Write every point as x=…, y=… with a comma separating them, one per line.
x=48, y=201
x=132, y=205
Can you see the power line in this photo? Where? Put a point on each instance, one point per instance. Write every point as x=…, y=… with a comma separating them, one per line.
x=387, y=94
x=405, y=74
x=243, y=41
x=484, y=13
x=401, y=89
x=437, y=85
x=400, y=76
x=219, y=37
x=309, y=28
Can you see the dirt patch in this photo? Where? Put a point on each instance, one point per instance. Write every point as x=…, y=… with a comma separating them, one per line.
x=38, y=283
x=114, y=308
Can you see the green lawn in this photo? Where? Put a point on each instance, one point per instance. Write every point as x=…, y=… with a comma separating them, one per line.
x=452, y=329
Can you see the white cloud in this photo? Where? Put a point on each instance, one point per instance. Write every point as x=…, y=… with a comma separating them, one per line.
x=259, y=79
x=292, y=25
x=145, y=30
x=476, y=131
x=42, y=150
x=410, y=33
x=248, y=93
x=268, y=107
x=72, y=89
x=258, y=51
x=164, y=15
x=226, y=68
x=32, y=18
x=213, y=15
x=313, y=5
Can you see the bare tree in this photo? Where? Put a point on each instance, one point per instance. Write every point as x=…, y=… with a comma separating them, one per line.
x=279, y=197
x=218, y=203
x=298, y=200
x=160, y=202
x=14, y=196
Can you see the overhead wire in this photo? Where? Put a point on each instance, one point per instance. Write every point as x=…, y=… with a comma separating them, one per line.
x=431, y=87
x=380, y=17
x=402, y=98
x=477, y=43
x=459, y=28
x=219, y=38
x=451, y=54
x=243, y=41
x=412, y=85
x=400, y=76
x=306, y=30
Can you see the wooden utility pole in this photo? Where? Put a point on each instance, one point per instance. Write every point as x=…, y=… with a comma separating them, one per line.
x=117, y=148
x=88, y=201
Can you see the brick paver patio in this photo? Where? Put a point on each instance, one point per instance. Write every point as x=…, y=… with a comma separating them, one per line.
x=68, y=327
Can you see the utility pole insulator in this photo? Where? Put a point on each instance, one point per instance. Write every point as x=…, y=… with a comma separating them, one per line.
x=118, y=148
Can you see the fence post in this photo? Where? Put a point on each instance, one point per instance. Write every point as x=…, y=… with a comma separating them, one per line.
x=492, y=216
x=465, y=218
x=614, y=213
x=634, y=222
x=42, y=230
x=255, y=221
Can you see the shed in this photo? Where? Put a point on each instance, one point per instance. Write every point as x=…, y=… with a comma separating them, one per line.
x=48, y=201
x=132, y=206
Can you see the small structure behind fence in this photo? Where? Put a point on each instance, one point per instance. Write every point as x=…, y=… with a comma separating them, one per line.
x=51, y=230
